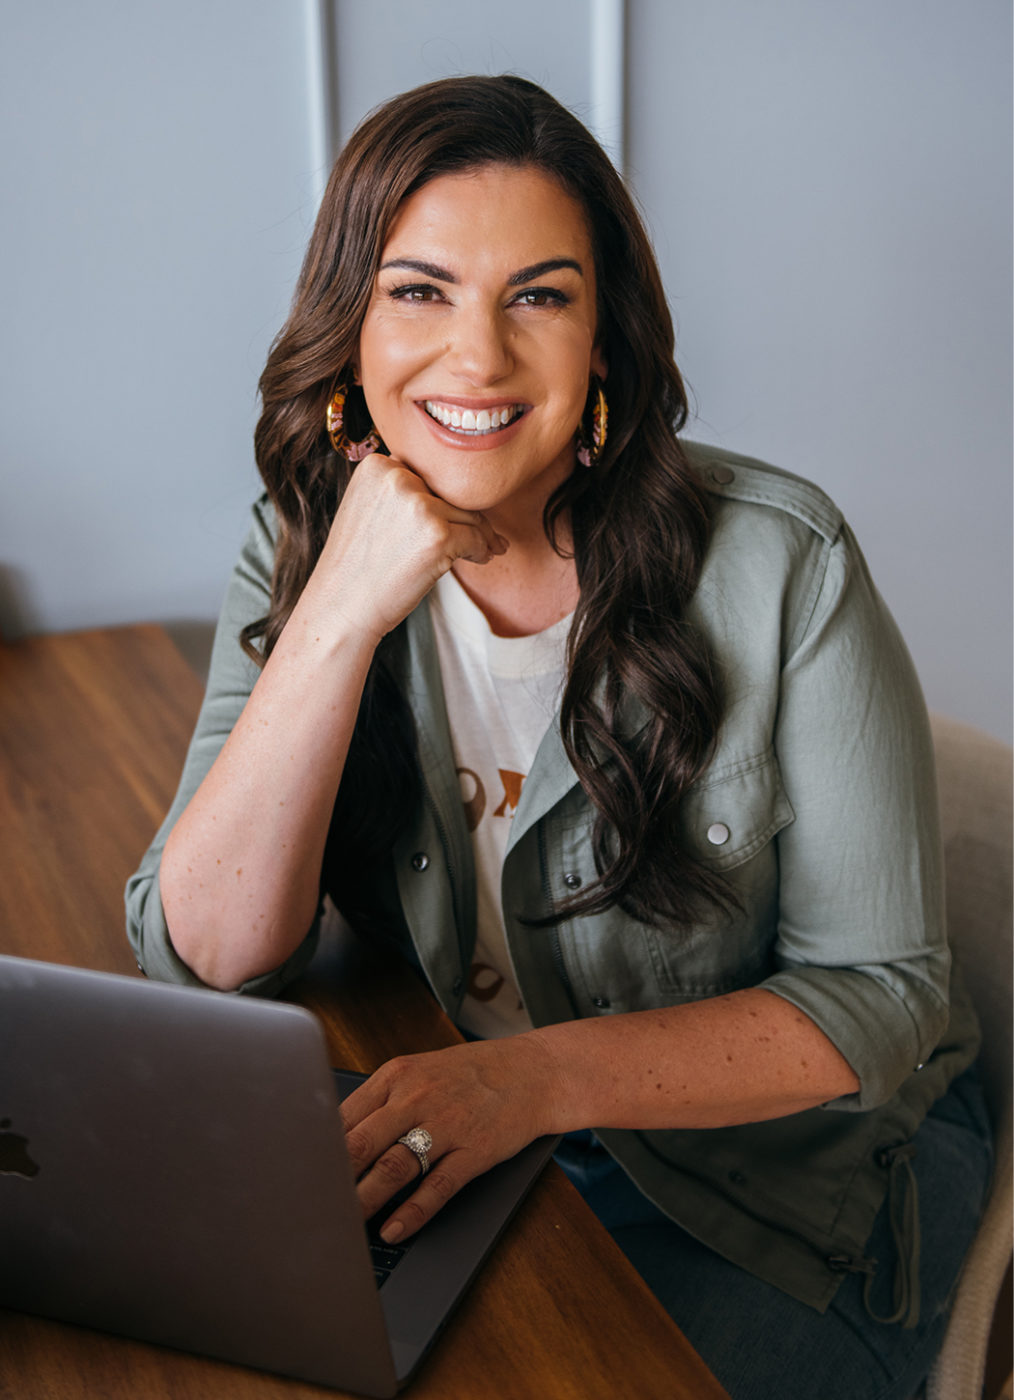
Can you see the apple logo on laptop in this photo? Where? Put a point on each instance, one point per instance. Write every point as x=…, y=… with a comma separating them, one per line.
x=14, y=1158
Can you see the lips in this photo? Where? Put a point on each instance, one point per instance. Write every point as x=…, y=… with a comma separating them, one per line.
x=473, y=422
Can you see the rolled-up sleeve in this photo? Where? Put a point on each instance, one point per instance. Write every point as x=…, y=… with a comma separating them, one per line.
x=231, y=678
x=861, y=945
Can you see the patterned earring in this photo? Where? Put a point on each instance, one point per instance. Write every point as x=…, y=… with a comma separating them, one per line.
x=590, y=444
x=344, y=446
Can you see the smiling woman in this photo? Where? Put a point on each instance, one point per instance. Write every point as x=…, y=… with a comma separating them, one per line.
x=608, y=734
x=504, y=325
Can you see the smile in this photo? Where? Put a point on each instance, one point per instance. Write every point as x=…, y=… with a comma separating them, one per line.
x=473, y=422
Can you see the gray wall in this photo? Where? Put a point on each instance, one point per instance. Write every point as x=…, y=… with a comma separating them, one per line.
x=829, y=186
x=829, y=189
x=155, y=174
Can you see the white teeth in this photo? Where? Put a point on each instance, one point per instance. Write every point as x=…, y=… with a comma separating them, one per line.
x=467, y=420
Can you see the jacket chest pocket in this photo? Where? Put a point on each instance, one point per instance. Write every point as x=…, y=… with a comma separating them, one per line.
x=729, y=823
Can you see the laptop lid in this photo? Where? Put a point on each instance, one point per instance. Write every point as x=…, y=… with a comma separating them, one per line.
x=173, y=1168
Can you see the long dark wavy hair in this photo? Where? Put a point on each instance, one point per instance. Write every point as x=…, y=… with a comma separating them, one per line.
x=639, y=519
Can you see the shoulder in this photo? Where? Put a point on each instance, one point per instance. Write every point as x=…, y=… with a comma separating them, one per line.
x=257, y=555
x=263, y=524
x=780, y=556
x=248, y=593
x=735, y=481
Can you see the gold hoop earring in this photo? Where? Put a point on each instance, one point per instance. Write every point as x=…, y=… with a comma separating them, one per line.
x=343, y=445
x=590, y=443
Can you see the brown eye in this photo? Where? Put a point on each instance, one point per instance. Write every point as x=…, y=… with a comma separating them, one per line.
x=415, y=293
x=542, y=296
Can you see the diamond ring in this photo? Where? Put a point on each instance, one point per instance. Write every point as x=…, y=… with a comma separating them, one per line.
x=418, y=1141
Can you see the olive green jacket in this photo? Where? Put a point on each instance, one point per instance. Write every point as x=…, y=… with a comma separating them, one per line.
x=819, y=807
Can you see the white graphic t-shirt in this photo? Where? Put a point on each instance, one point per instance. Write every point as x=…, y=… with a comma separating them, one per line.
x=501, y=694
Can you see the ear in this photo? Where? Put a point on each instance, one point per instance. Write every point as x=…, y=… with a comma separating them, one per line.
x=599, y=364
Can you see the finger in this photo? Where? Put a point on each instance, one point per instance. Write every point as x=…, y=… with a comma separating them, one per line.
x=469, y=539
x=443, y=1181
x=496, y=542
x=371, y=1120
x=366, y=1098
x=367, y=1142
x=393, y=1171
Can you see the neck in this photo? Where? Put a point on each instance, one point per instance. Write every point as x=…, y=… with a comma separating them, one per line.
x=525, y=590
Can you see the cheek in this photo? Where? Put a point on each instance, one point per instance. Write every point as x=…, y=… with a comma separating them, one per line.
x=386, y=364
x=581, y=366
x=391, y=347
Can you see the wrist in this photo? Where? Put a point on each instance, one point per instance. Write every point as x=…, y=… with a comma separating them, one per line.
x=560, y=1103
x=318, y=626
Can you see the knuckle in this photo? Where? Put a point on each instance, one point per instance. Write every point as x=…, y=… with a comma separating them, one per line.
x=357, y=1144
x=392, y=1170
x=370, y=473
x=388, y=1076
x=432, y=530
x=413, y=1215
x=442, y=1184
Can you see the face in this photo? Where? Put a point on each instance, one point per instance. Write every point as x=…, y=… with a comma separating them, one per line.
x=480, y=337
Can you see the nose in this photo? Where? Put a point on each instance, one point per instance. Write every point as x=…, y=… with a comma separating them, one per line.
x=479, y=353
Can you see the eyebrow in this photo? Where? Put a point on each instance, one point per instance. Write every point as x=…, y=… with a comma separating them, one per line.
x=516, y=279
x=529, y=274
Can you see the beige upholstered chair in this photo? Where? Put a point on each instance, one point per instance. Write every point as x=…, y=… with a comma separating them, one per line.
x=975, y=802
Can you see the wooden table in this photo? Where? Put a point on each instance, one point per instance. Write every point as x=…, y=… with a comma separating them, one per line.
x=93, y=729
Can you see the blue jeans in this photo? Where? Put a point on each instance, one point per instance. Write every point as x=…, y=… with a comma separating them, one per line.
x=764, y=1345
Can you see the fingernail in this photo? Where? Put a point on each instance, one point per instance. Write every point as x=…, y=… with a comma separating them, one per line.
x=392, y=1231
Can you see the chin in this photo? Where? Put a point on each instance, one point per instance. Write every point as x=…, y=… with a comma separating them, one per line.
x=459, y=491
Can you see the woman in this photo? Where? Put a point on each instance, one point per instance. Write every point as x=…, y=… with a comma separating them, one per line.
x=611, y=735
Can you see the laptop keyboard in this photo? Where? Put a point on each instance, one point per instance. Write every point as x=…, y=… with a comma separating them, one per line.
x=386, y=1258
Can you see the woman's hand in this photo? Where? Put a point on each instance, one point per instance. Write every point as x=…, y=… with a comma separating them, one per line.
x=480, y=1103
x=389, y=543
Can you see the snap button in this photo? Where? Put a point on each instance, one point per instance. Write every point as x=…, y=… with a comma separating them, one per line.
x=456, y=986
x=721, y=476
x=603, y=1003
x=918, y=1067
x=718, y=833
x=420, y=860
x=572, y=880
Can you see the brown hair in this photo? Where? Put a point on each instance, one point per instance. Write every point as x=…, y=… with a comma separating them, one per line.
x=639, y=518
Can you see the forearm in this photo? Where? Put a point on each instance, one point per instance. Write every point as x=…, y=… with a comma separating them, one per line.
x=739, y=1058
x=240, y=874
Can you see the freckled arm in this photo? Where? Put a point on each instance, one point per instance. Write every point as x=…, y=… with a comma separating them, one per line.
x=240, y=873
x=739, y=1058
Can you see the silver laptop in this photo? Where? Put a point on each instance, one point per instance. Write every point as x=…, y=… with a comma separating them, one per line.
x=173, y=1168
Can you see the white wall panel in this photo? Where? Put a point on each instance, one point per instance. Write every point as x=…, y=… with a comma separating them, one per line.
x=384, y=47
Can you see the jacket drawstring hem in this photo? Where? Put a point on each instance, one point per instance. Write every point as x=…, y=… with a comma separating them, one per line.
x=903, y=1213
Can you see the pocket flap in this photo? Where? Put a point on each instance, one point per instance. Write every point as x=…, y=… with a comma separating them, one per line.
x=729, y=816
